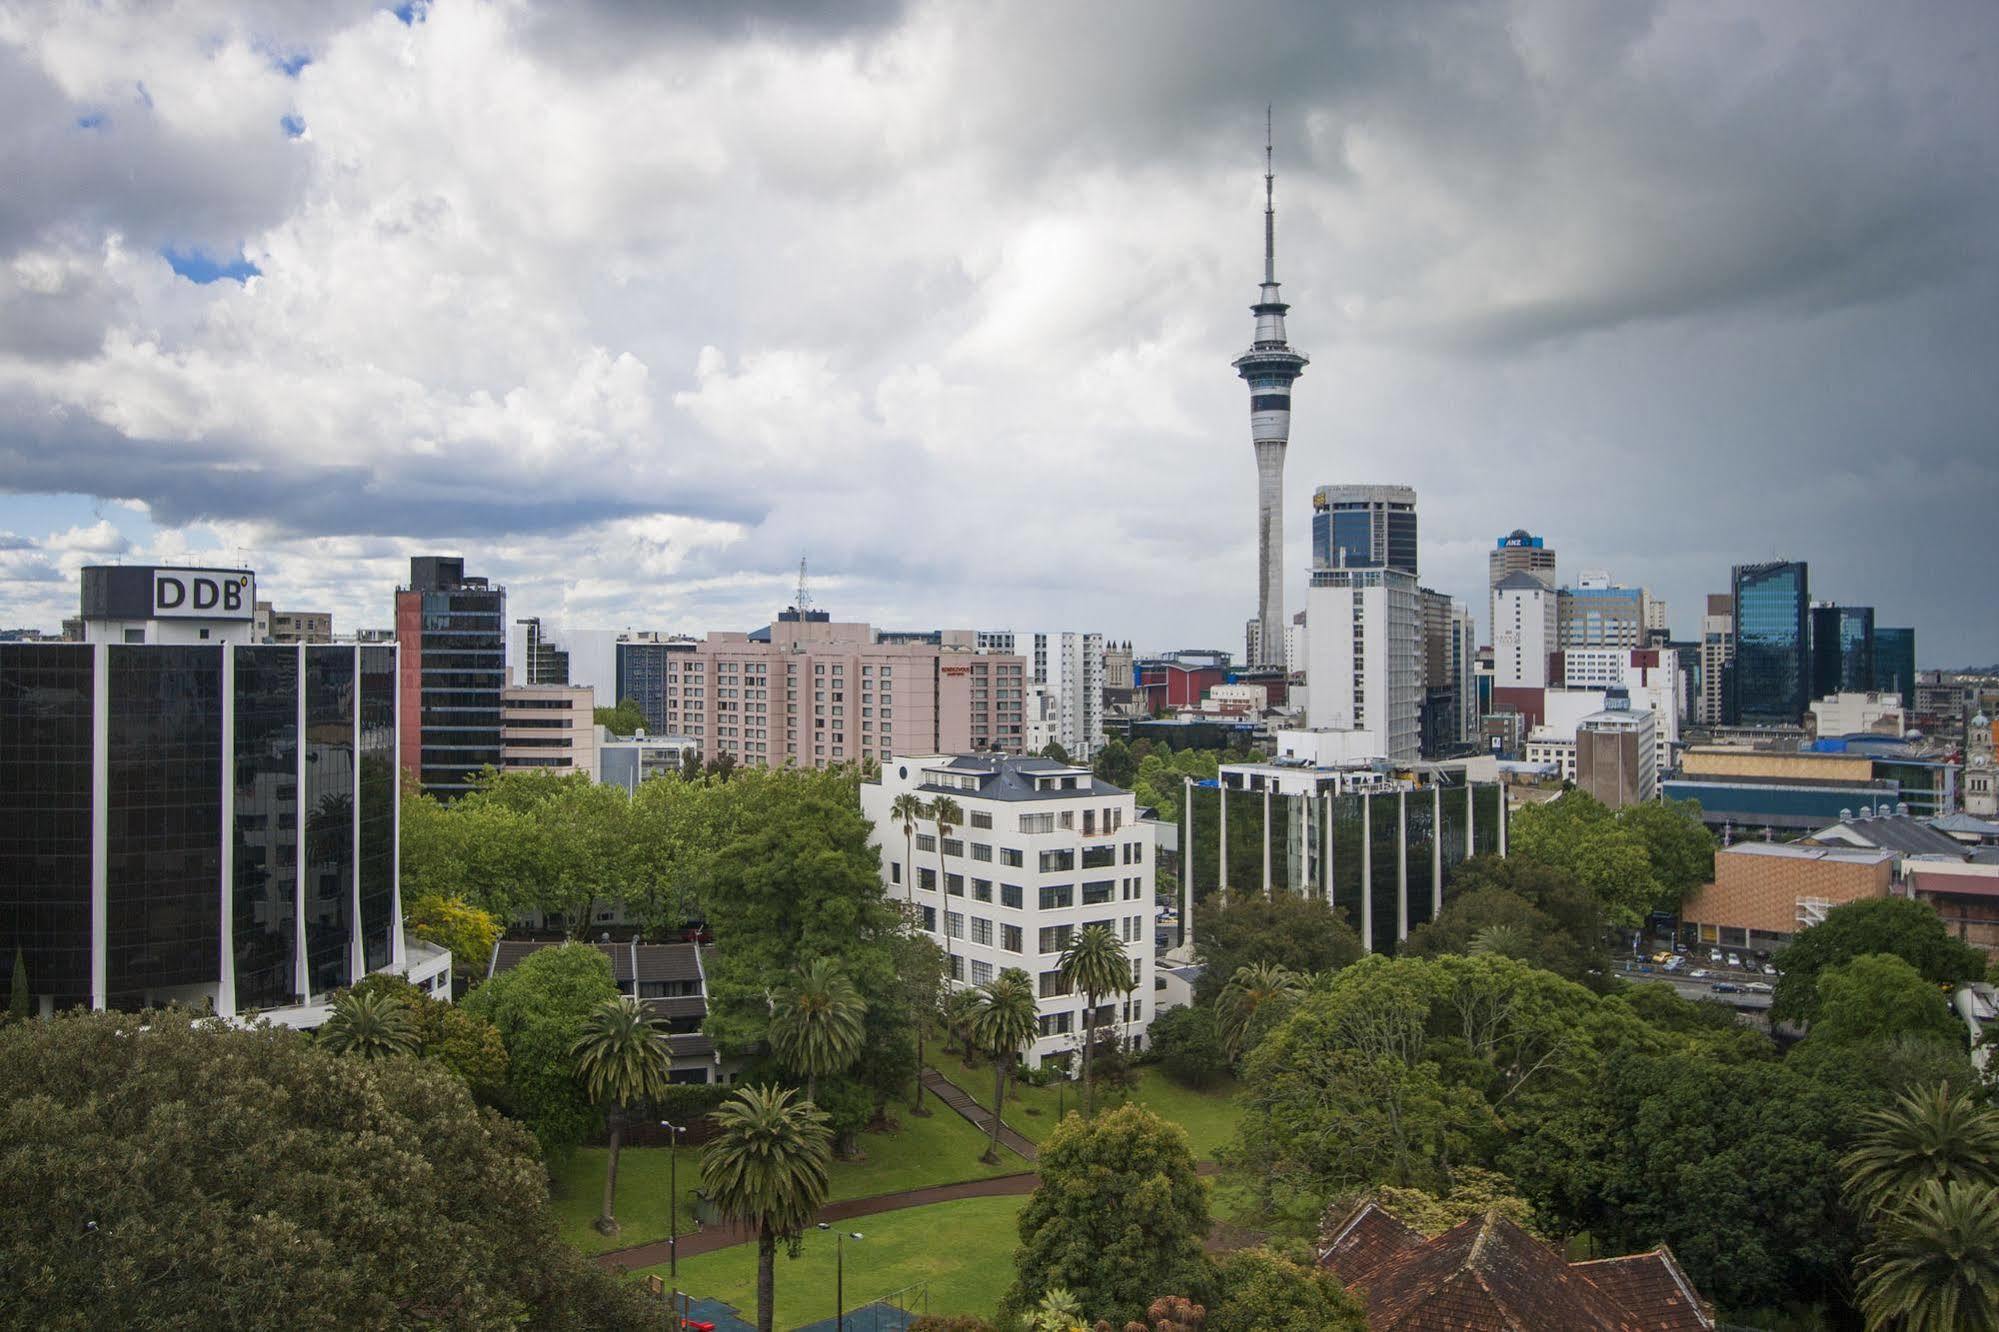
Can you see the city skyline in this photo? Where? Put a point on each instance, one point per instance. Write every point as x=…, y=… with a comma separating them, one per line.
x=1678, y=289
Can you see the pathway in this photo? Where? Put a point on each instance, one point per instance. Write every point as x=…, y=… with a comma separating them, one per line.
x=956, y=1098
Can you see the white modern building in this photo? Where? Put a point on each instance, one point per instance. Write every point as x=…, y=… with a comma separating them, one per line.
x=1365, y=643
x=1859, y=714
x=1649, y=676
x=628, y=760
x=1070, y=666
x=1523, y=631
x=1045, y=848
x=1717, y=653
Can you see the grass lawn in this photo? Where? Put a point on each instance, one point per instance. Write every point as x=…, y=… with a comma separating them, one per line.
x=964, y=1250
x=1210, y=1117
x=942, y=1149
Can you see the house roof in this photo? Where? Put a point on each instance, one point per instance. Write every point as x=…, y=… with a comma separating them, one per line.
x=1519, y=580
x=667, y=962
x=1008, y=777
x=1489, y=1275
x=1894, y=832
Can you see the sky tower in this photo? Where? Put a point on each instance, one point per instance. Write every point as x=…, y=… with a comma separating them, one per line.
x=1269, y=365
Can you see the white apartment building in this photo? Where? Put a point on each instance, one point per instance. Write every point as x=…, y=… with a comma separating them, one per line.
x=1071, y=666
x=548, y=728
x=1859, y=714
x=1045, y=849
x=1717, y=651
x=1651, y=676
x=1365, y=644
x=1523, y=631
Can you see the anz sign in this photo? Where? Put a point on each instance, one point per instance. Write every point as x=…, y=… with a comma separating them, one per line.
x=204, y=594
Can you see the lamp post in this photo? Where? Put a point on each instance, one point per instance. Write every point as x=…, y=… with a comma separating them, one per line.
x=673, y=1198
x=840, y=1238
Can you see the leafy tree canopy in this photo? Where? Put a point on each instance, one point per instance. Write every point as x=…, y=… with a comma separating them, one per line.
x=1570, y=945
x=1116, y=764
x=1262, y=1291
x=1188, y=1043
x=1300, y=934
x=1908, y=929
x=1878, y=996
x=451, y=922
x=1578, y=835
x=1472, y=1192
x=540, y=1009
x=183, y=1173
x=625, y=719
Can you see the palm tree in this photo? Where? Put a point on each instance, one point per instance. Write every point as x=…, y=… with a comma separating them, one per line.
x=369, y=1023
x=1094, y=963
x=816, y=1028
x=622, y=1058
x=906, y=809
x=1934, y=1264
x=959, y=1005
x=1499, y=941
x=766, y=1168
x=1927, y=1134
x=1250, y=991
x=947, y=814
x=1004, y=1021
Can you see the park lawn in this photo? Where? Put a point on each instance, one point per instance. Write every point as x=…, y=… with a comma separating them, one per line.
x=1210, y=1117
x=940, y=1149
x=963, y=1250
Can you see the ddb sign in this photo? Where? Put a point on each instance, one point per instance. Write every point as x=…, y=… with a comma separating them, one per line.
x=204, y=594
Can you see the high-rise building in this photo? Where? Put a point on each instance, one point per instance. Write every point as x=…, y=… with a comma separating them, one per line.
x=1598, y=613
x=1365, y=638
x=276, y=626
x=1895, y=663
x=1450, y=699
x=1269, y=367
x=548, y=728
x=454, y=664
x=1523, y=630
x=1517, y=552
x=1356, y=527
x=1717, y=657
x=1772, y=672
x=534, y=656
x=1616, y=753
x=1842, y=649
x=1071, y=669
x=641, y=665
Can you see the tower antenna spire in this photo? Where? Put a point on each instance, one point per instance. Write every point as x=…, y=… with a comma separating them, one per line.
x=804, y=595
x=1269, y=205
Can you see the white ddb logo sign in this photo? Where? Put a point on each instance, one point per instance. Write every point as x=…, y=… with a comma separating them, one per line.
x=205, y=594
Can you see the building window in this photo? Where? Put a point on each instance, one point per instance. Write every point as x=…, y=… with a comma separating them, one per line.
x=1009, y=856
x=954, y=847
x=954, y=884
x=895, y=871
x=930, y=920
x=1054, y=896
x=982, y=972
x=981, y=851
x=982, y=890
x=1010, y=938
x=1037, y=823
x=1098, y=892
x=1054, y=985
x=981, y=819
x=982, y=931
x=1010, y=895
x=1057, y=862
x=1053, y=939
x=926, y=878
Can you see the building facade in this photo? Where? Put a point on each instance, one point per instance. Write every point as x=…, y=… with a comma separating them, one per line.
x=1044, y=849
x=1366, y=650
x=1895, y=663
x=1771, y=678
x=276, y=626
x=534, y=656
x=1597, y=613
x=1523, y=631
x=1364, y=527
x=453, y=665
x=548, y=728
x=1842, y=649
x=1765, y=892
x=1070, y=668
x=1858, y=713
x=641, y=664
x=1617, y=754
x=1717, y=659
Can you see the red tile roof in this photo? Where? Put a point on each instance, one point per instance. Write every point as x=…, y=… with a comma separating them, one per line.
x=1652, y=1286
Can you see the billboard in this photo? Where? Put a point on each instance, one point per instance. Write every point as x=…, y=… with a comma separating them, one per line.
x=204, y=594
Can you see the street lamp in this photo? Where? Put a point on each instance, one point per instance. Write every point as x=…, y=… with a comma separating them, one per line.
x=840, y=1239
x=673, y=1198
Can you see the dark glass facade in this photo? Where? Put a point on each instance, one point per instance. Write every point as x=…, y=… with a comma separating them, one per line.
x=1771, y=680
x=464, y=667
x=264, y=895
x=378, y=804
x=1842, y=650
x=1895, y=663
x=164, y=829
x=46, y=699
x=1364, y=536
x=329, y=815
x=642, y=678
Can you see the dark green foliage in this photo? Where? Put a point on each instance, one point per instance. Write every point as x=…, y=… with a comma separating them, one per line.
x=1261, y=1291
x=1189, y=1045
x=1677, y=843
x=1116, y=764
x=1878, y=997
x=1118, y=1217
x=625, y=719
x=540, y=1008
x=462, y=1041
x=187, y=1174
x=1910, y=930
x=1564, y=936
x=1300, y=934
x=1053, y=750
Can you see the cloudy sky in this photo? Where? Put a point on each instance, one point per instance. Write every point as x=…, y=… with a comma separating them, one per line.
x=635, y=305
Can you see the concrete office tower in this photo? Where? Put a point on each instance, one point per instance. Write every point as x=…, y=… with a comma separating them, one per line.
x=1269, y=367
x=1364, y=527
x=1070, y=667
x=1365, y=643
x=1717, y=655
x=1599, y=613
x=453, y=664
x=534, y=656
x=1523, y=631
x=1450, y=700
x=1517, y=552
x=548, y=728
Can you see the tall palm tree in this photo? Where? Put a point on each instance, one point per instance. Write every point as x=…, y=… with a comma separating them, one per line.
x=816, y=1028
x=623, y=1059
x=1927, y=1134
x=948, y=815
x=1094, y=963
x=1250, y=991
x=1934, y=1262
x=906, y=809
x=1003, y=1024
x=1500, y=941
x=766, y=1168
x=369, y=1023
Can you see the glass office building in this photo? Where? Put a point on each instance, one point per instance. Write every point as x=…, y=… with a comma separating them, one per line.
x=1842, y=650
x=1895, y=663
x=451, y=629
x=209, y=824
x=641, y=672
x=1364, y=527
x=1770, y=684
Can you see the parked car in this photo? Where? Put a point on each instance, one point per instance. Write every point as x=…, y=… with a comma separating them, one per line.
x=1735, y=960
x=1714, y=956
x=1679, y=947
x=1700, y=973
x=1723, y=987
x=1662, y=957
x=1769, y=970
x=1674, y=964
x=1759, y=987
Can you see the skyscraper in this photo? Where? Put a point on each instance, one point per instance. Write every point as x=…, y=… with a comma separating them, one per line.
x=1269, y=367
x=1895, y=663
x=1517, y=552
x=1771, y=682
x=1842, y=649
x=1357, y=527
x=453, y=664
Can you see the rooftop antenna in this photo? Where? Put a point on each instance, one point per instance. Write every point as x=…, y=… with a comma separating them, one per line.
x=1269, y=205
x=804, y=595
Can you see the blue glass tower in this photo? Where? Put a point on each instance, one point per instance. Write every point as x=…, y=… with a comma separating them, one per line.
x=1842, y=650
x=1771, y=681
x=1895, y=663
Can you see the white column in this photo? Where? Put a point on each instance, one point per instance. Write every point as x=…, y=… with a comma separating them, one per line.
x=1502, y=820
x=100, y=820
x=357, y=953
x=1436, y=852
x=1222, y=853
x=225, y=989
x=301, y=975
x=1367, y=872
x=1401, y=866
x=1326, y=845
x=397, y=950
x=1186, y=874
x=1266, y=841
x=1471, y=807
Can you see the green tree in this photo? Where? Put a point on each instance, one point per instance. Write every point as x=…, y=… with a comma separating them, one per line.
x=453, y=923
x=625, y=719
x=1118, y=1217
x=1255, y=998
x=372, y=1025
x=1934, y=1262
x=185, y=1173
x=1300, y=934
x=462, y=1042
x=1677, y=843
x=540, y=1008
x=905, y=811
x=816, y=1029
x=1115, y=764
x=949, y=816
x=622, y=1058
x=1877, y=996
x=1578, y=835
x=766, y=1169
x=1473, y=1192
x=1053, y=750
x=1262, y=1291
x=1909, y=929
x=919, y=962
x=1095, y=964
x=1003, y=1024
x=1188, y=1042
x=1566, y=937
x=1929, y=1134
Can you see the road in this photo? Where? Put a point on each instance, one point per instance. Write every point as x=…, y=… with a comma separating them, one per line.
x=1747, y=1001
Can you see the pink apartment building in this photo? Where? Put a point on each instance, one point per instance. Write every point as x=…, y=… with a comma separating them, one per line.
x=816, y=692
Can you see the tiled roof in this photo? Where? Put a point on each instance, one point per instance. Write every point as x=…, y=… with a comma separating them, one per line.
x=510, y=953
x=679, y=1006
x=1489, y=1275
x=667, y=962
x=1897, y=832
x=690, y=1046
